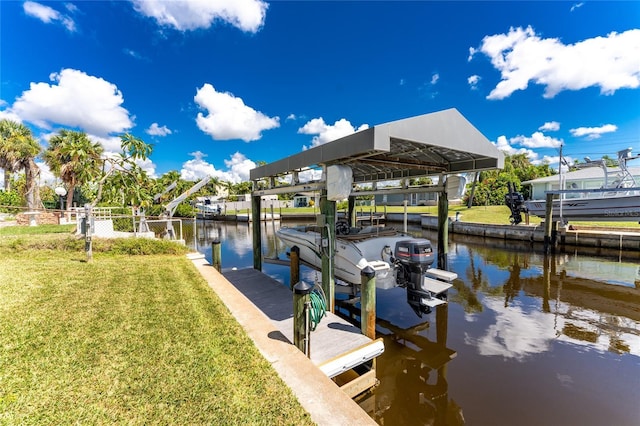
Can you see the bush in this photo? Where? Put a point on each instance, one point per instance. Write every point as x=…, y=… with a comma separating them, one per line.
x=10, y=198
x=126, y=246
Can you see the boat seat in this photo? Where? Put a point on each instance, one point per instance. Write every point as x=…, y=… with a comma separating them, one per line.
x=379, y=265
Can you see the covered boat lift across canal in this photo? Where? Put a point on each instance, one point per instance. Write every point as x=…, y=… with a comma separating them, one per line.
x=437, y=144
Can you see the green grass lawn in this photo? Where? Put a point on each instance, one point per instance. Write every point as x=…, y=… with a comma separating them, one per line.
x=124, y=340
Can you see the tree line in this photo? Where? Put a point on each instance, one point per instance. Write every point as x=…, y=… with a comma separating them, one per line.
x=89, y=175
x=115, y=179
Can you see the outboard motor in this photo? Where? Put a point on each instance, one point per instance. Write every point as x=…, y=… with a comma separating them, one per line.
x=515, y=201
x=413, y=258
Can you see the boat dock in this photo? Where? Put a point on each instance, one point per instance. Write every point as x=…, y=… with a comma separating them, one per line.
x=337, y=346
x=324, y=384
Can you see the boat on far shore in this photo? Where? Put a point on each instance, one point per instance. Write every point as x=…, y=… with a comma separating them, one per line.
x=618, y=199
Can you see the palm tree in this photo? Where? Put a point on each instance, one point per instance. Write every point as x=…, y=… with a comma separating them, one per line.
x=74, y=158
x=18, y=150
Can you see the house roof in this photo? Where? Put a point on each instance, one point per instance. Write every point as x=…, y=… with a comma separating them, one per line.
x=440, y=142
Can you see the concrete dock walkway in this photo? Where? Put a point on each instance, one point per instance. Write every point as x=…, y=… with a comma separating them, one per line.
x=318, y=394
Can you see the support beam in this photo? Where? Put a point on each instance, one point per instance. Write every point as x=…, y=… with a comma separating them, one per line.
x=351, y=210
x=328, y=211
x=443, y=230
x=257, y=233
x=548, y=223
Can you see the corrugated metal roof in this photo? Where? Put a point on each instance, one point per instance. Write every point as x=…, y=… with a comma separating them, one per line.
x=440, y=142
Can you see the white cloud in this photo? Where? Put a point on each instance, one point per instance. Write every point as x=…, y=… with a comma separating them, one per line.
x=472, y=53
x=550, y=126
x=536, y=140
x=576, y=6
x=326, y=132
x=156, y=130
x=46, y=177
x=291, y=117
x=229, y=118
x=521, y=56
x=196, y=169
x=111, y=144
x=135, y=55
x=75, y=100
x=505, y=146
x=49, y=15
x=238, y=167
x=473, y=81
x=8, y=114
x=148, y=166
x=593, y=132
x=246, y=15
x=434, y=78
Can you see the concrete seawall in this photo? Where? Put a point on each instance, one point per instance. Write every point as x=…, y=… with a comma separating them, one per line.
x=621, y=240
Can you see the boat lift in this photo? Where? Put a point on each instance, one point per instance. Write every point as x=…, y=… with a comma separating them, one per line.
x=170, y=208
x=439, y=144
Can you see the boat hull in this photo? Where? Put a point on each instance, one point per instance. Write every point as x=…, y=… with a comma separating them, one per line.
x=351, y=257
x=609, y=209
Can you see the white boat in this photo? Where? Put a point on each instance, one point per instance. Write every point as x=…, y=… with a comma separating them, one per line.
x=356, y=249
x=617, y=200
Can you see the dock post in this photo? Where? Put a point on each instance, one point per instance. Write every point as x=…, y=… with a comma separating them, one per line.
x=328, y=210
x=548, y=223
x=443, y=228
x=368, y=302
x=216, y=254
x=351, y=211
x=294, y=269
x=257, y=235
x=301, y=326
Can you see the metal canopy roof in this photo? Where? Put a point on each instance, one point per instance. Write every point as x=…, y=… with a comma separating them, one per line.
x=440, y=142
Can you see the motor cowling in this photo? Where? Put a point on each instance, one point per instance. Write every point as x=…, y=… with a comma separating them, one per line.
x=413, y=257
x=415, y=254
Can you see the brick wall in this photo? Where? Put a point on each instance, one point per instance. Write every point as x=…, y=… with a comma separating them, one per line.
x=42, y=218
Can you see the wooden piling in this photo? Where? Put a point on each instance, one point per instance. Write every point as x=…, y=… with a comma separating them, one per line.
x=548, y=223
x=368, y=302
x=301, y=326
x=216, y=254
x=294, y=270
x=443, y=229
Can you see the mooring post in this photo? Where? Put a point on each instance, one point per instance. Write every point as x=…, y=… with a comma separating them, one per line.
x=368, y=302
x=548, y=223
x=443, y=229
x=257, y=235
x=216, y=254
x=301, y=326
x=88, y=213
x=294, y=270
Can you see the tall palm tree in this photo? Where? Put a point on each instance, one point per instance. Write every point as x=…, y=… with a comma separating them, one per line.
x=18, y=150
x=74, y=158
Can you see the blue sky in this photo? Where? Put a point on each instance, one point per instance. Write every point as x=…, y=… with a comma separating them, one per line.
x=216, y=86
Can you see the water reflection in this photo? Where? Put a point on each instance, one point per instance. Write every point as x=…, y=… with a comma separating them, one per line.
x=413, y=376
x=525, y=339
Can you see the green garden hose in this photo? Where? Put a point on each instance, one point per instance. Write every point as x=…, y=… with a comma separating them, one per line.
x=318, y=307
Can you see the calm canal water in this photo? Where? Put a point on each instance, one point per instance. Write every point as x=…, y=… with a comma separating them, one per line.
x=524, y=340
